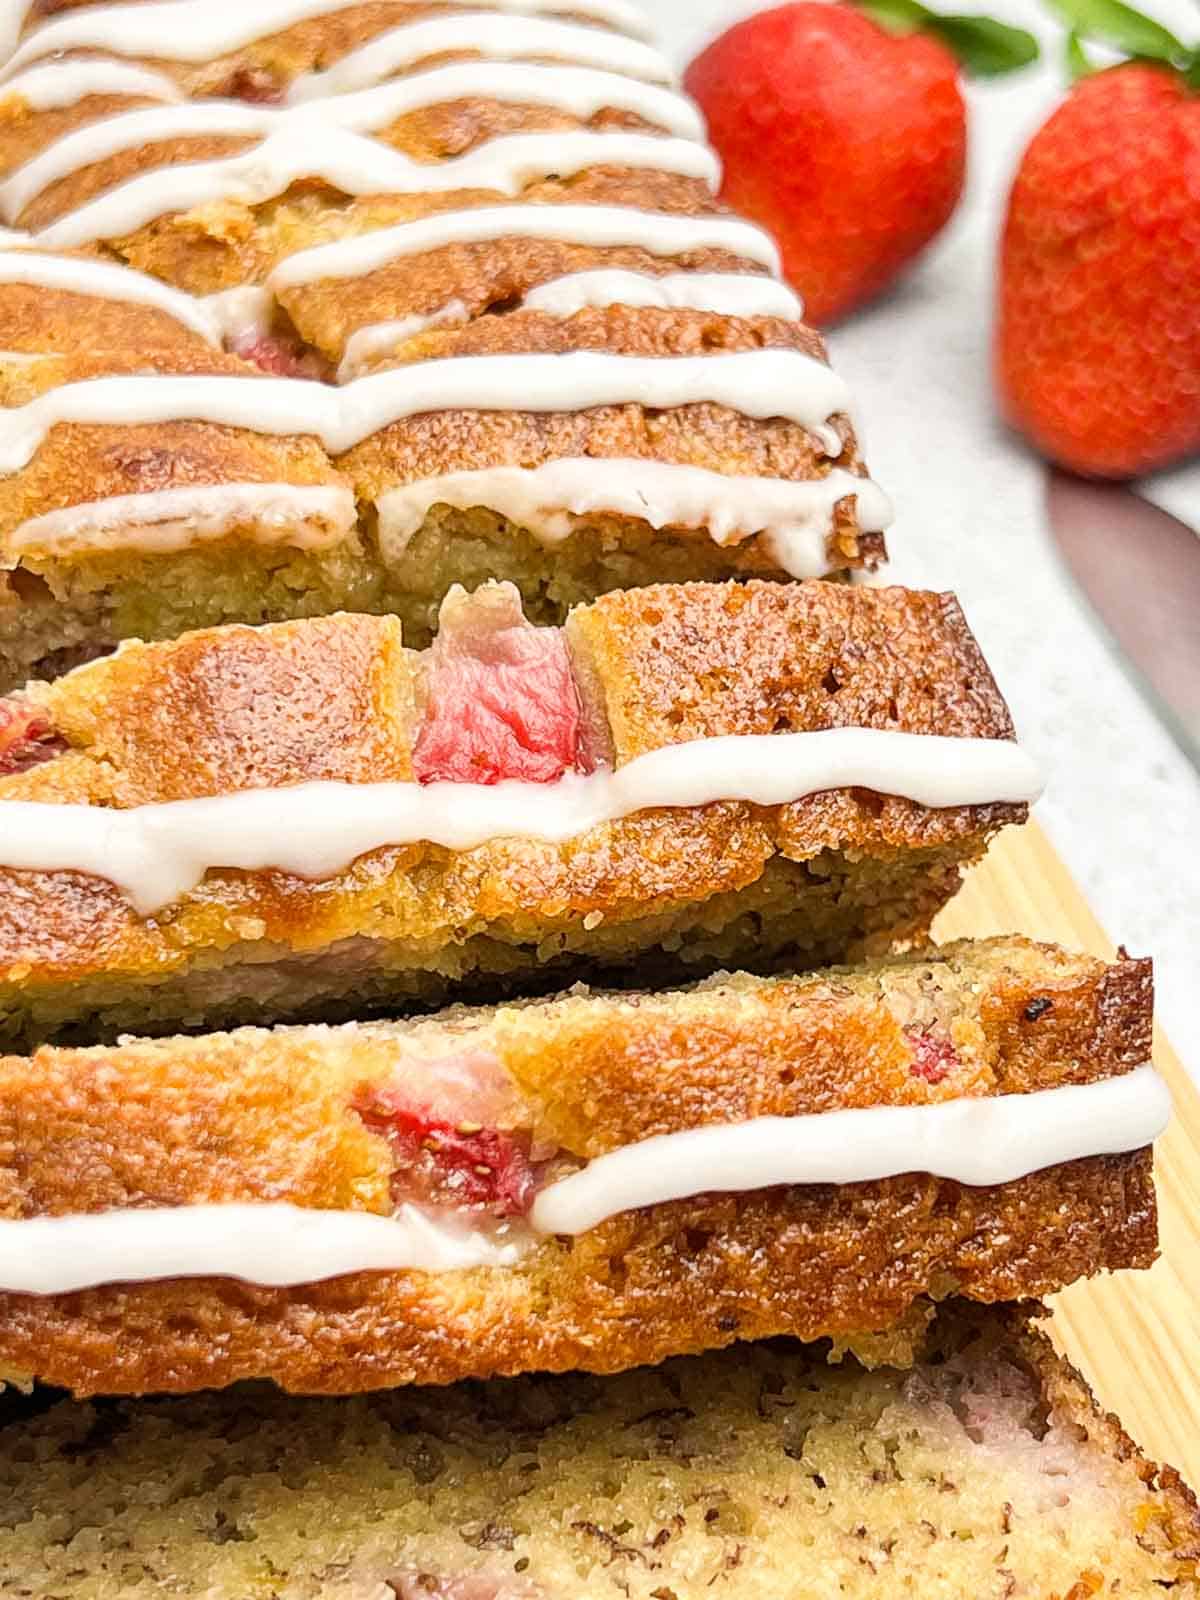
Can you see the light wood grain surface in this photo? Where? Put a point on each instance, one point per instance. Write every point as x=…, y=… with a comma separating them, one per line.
x=1134, y=1335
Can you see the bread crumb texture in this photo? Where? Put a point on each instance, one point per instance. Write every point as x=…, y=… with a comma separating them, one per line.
x=760, y=1472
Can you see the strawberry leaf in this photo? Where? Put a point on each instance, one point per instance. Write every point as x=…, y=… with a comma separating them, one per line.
x=985, y=48
x=1116, y=24
x=1078, y=65
x=897, y=16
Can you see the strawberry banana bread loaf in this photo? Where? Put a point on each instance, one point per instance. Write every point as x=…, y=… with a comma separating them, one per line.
x=594, y=1181
x=758, y=1473
x=310, y=821
x=331, y=306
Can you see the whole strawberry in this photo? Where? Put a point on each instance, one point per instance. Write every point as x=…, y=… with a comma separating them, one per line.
x=845, y=139
x=1098, y=333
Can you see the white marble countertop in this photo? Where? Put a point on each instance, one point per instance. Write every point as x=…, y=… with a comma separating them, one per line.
x=1123, y=804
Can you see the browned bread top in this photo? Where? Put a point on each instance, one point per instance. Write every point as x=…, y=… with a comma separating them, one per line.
x=762, y=658
x=494, y=274
x=81, y=463
x=635, y=146
x=39, y=318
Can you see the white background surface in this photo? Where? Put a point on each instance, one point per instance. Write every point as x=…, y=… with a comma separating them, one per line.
x=1123, y=804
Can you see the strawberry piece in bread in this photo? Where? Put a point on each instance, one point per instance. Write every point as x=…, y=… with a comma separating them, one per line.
x=461, y=1165
x=369, y=1118
x=282, y=355
x=255, y=85
x=27, y=736
x=502, y=700
x=457, y=1133
x=934, y=1055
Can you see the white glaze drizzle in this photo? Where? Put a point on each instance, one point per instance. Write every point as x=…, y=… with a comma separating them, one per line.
x=302, y=516
x=758, y=383
x=130, y=130
x=275, y=1245
x=358, y=165
x=736, y=294
x=727, y=294
x=380, y=338
x=794, y=519
x=659, y=232
x=182, y=30
x=106, y=280
x=157, y=853
x=977, y=1141
x=497, y=37
x=65, y=83
x=581, y=91
x=242, y=313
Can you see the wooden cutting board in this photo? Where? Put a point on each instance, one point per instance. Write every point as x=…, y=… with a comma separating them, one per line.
x=1134, y=1335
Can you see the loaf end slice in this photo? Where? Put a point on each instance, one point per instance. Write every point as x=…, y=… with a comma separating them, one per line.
x=986, y=1469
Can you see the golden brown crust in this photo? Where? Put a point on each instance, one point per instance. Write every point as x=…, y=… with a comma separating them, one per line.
x=701, y=435
x=41, y=320
x=490, y=276
x=784, y=658
x=88, y=183
x=331, y=698
x=688, y=1276
x=26, y=132
x=78, y=463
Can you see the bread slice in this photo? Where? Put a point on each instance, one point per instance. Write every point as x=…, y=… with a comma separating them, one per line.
x=144, y=530
x=555, y=201
x=986, y=1469
x=476, y=1116
x=667, y=889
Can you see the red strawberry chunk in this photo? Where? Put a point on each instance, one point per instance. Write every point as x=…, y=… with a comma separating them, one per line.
x=934, y=1056
x=502, y=699
x=256, y=85
x=459, y=1165
x=27, y=736
x=281, y=355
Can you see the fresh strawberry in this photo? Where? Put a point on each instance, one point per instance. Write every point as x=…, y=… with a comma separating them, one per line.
x=846, y=140
x=1098, y=333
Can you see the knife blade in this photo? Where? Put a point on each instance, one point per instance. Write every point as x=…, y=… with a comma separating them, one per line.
x=1139, y=569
